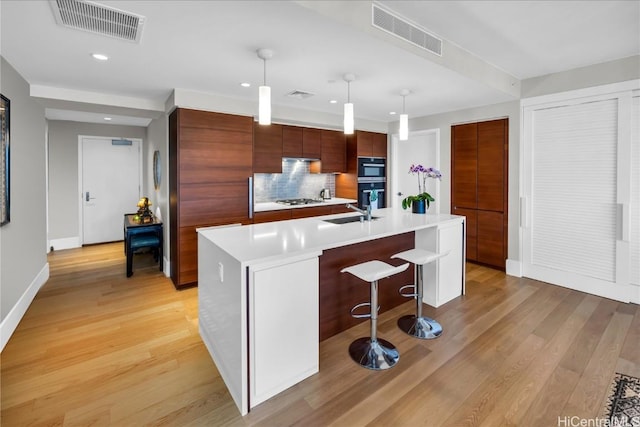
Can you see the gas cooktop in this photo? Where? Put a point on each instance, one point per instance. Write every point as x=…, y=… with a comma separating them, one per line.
x=294, y=202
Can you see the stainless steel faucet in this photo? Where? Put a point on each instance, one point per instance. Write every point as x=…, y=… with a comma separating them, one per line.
x=365, y=213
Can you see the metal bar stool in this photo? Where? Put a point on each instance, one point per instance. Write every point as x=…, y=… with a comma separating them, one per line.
x=372, y=352
x=417, y=325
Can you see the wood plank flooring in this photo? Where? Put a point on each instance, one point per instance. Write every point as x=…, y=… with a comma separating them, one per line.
x=96, y=348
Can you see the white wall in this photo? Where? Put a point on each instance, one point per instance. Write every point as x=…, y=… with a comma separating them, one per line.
x=23, y=260
x=64, y=195
x=157, y=139
x=620, y=70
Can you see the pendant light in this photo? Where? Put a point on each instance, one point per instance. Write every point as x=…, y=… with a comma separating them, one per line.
x=264, y=91
x=348, y=107
x=404, y=118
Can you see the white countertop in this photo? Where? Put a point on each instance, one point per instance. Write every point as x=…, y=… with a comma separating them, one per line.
x=272, y=241
x=273, y=206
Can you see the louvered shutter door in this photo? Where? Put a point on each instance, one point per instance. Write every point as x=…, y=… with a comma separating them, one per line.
x=634, y=245
x=573, y=191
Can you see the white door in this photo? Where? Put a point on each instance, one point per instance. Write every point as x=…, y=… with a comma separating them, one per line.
x=577, y=173
x=421, y=148
x=110, y=180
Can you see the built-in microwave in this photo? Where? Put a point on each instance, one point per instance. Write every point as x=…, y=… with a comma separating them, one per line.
x=371, y=167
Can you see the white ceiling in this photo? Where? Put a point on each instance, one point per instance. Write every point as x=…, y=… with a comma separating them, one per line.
x=209, y=47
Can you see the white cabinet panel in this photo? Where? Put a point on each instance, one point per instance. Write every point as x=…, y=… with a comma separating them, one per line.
x=283, y=327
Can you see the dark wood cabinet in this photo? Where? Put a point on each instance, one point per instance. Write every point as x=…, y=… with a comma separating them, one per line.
x=267, y=148
x=360, y=144
x=311, y=143
x=479, y=186
x=309, y=212
x=370, y=144
x=334, y=153
x=270, y=216
x=210, y=162
x=301, y=142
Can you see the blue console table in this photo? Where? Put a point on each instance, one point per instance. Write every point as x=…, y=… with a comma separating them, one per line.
x=137, y=236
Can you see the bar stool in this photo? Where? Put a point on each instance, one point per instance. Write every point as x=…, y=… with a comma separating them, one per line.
x=372, y=352
x=417, y=325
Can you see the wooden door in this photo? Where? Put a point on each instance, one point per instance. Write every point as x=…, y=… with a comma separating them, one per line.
x=292, y=141
x=311, y=143
x=333, y=151
x=465, y=166
x=364, y=141
x=267, y=148
x=491, y=165
x=379, y=145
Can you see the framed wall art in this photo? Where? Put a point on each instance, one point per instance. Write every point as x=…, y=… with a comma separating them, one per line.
x=5, y=106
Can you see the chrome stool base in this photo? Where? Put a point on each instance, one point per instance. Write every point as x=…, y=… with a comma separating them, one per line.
x=377, y=355
x=420, y=327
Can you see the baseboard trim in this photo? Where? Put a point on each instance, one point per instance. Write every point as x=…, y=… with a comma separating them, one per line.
x=514, y=268
x=65, y=243
x=11, y=321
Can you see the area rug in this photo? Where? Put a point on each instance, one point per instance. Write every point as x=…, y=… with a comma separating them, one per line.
x=622, y=406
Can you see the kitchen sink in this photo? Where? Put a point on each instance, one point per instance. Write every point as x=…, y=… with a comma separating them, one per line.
x=347, y=219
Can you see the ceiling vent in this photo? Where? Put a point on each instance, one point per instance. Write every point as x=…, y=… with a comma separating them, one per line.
x=399, y=27
x=299, y=94
x=98, y=19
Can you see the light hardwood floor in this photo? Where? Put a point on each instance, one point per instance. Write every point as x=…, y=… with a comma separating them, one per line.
x=96, y=348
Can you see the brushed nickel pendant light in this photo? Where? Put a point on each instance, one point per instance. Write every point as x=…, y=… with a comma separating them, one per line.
x=264, y=91
x=348, y=107
x=404, y=117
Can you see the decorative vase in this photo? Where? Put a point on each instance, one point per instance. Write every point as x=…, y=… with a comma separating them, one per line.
x=419, y=206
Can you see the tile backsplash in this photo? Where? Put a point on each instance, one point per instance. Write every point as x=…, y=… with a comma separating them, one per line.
x=294, y=182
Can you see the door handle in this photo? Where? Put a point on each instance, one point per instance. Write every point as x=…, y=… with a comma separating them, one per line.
x=399, y=193
x=87, y=198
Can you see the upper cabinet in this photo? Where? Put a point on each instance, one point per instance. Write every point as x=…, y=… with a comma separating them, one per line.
x=267, y=148
x=334, y=151
x=311, y=143
x=301, y=142
x=371, y=144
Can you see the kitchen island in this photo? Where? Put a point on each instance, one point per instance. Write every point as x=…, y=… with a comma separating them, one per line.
x=261, y=288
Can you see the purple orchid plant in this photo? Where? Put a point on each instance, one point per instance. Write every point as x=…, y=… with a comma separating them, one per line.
x=422, y=175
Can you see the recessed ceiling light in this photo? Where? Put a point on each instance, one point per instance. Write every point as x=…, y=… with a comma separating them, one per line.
x=333, y=101
x=393, y=113
x=99, y=56
x=245, y=84
x=107, y=119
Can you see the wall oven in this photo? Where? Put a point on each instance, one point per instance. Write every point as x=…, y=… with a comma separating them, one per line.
x=365, y=187
x=369, y=167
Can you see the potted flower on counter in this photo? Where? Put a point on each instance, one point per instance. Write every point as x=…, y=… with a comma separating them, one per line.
x=420, y=202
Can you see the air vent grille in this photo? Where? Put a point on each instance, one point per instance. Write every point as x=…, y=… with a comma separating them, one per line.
x=98, y=19
x=299, y=94
x=399, y=27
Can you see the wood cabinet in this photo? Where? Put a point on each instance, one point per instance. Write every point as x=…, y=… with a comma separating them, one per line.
x=360, y=144
x=301, y=142
x=309, y=212
x=334, y=153
x=210, y=162
x=270, y=216
x=370, y=144
x=267, y=148
x=479, y=185
x=284, y=214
